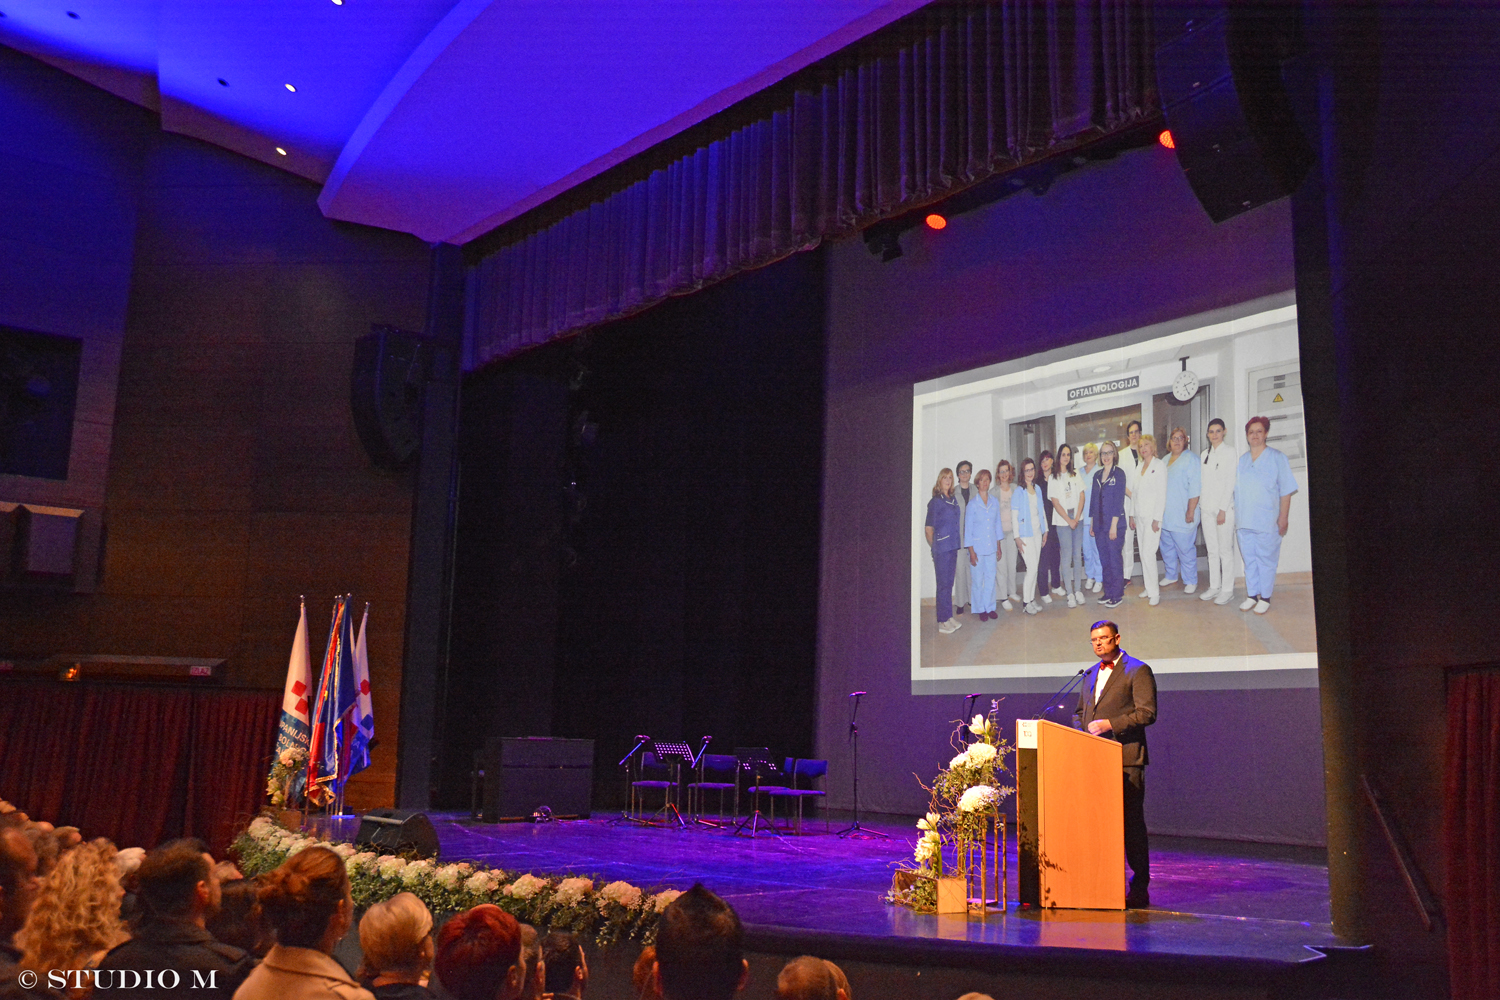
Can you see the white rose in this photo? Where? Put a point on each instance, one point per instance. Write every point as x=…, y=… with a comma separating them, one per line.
x=525, y=887
x=345, y=851
x=623, y=893
x=571, y=890
x=390, y=866
x=976, y=798
x=664, y=899
x=480, y=882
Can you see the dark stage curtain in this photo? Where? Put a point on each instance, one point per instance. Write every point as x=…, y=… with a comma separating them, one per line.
x=138, y=765
x=1472, y=795
x=930, y=105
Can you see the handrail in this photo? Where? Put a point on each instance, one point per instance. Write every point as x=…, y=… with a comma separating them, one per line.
x=1416, y=886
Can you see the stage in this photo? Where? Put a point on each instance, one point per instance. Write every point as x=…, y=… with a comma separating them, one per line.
x=1244, y=916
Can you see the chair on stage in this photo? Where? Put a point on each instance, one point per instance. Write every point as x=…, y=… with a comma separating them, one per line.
x=715, y=766
x=756, y=766
x=803, y=770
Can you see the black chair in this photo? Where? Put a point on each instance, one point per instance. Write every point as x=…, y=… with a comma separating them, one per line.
x=719, y=766
x=801, y=769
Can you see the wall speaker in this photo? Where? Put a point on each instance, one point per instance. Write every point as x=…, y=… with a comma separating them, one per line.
x=390, y=368
x=397, y=831
x=1218, y=69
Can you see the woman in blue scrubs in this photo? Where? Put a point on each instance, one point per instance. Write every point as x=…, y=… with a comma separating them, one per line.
x=1263, y=489
x=943, y=535
x=1107, y=507
x=1179, y=538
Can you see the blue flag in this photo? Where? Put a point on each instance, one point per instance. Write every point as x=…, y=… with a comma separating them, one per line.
x=364, y=712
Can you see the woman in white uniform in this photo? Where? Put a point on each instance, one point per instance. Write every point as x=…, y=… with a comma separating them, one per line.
x=1150, y=507
x=1005, y=572
x=1027, y=504
x=1217, y=505
x=1065, y=491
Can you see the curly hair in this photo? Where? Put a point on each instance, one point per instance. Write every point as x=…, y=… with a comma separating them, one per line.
x=77, y=911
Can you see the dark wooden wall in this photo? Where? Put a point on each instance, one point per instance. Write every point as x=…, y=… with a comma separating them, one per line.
x=235, y=479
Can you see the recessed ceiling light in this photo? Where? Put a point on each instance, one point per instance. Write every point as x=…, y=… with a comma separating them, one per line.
x=338, y=3
x=1100, y=368
x=290, y=88
x=223, y=82
x=280, y=151
x=73, y=15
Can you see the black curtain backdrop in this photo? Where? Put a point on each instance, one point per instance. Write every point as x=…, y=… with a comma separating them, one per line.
x=1472, y=796
x=930, y=105
x=656, y=573
x=137, y=764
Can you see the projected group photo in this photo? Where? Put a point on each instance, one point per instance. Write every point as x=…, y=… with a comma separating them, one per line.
x=1156, y=479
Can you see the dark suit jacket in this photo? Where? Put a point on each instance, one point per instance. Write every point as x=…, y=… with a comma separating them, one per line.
x=1128, y=701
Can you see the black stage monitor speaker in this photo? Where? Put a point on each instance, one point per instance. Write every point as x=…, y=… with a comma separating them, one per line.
x=397, y=831
x=522, y=774
x=385, y=393
x=1218, y=68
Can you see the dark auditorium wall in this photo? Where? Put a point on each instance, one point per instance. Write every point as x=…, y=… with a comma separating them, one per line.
x=674, y=592
x=1109, y=248
x=235, y=481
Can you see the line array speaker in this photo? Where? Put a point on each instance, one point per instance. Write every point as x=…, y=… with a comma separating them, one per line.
x=390, y=368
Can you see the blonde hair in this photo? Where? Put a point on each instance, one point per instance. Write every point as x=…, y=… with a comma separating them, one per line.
x=77, y=911
x=396, y=936
x=937, y=487
x=1089, y=446
x=1147, y=439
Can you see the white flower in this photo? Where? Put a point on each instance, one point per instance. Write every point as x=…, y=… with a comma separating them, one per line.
x=390, y=866
x=664, y=899
x=525, y=887
x=260, y=825
x=480, y=882
x=982, y=726
x=449, y=876
x=959, y=760
x=345, y=851
x=415, y=871
x=976, y=798
x=571, y=890
x=929, y=847
x=623, y=893
x=929, y=822
x=296, y=844
x=980, y=754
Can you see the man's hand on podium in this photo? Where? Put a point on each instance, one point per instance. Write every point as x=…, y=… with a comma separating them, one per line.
x=1099, y=727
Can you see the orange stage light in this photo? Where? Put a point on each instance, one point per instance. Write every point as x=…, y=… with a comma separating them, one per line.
x=936, y=221
x=1166, y=139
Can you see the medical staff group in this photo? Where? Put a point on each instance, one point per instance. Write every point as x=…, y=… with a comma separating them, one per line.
x=1076, y=528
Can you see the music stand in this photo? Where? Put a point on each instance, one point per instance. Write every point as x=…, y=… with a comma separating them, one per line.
x=672, y=753
x=757, y=761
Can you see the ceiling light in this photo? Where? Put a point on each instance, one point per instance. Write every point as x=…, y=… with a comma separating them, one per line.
x=1100, y=368
x=290, y=88
x=280, y=151
x=338, y=3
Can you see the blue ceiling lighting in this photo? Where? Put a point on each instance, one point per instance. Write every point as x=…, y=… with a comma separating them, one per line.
x=436, y=117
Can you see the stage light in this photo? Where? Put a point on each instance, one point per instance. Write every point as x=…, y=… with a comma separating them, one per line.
x=1166, y=139
x=290, y=88
x=935, y=221
x=280, y=151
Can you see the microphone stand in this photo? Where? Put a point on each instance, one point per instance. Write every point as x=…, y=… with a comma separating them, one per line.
x=854, y=831
x=1072, y=681
x=628, y=815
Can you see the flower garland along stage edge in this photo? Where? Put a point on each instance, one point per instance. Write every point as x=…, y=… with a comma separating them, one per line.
x=612, y=912
x=965, y=800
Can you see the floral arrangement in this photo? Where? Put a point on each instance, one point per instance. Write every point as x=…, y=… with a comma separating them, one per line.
x=281, y=784
x=612, y=912
x=965, y=801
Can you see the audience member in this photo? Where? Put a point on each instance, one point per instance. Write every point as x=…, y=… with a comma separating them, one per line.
x=307, y=901
x=178, y=891
x=534, y=983
x=806, y=978
x=699, y=948
x=567, y=971
x=75, y=917
x=643, y=976
x=396, y=938
x=240, y=920
x=479, y=955
x=976, y=996
x=18, y=889
x=845, y=993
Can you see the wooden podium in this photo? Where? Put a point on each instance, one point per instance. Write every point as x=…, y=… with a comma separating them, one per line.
x=1070, y=818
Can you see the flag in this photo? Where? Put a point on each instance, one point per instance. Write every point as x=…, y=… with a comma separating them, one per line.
x=338, y=671
x=295, y=729
x=363, y=730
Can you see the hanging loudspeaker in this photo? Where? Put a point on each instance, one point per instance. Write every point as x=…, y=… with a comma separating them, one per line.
x=1218, y=68
x=390, y=367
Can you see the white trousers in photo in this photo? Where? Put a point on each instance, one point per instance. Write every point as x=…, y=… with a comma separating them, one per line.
x=1129, y=551
x=1220, y=541
x=1033, y=557
x=1005, y=573
x=961, y=581
x=1150, y=542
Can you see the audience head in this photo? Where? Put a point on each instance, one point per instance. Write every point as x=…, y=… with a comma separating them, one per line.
x=18, y=880
x=479, y=955
x=845, y=993
x=241, y=921
x=534, y=982
x=976, y=996
x=806, y=978
x=643, y=975
x=699, y=948
x=396, y=938
x=76, y=913
x=567, y=972
x=177, y=881
x=307, y=900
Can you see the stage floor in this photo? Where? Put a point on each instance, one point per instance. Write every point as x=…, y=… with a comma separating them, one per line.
x=1232, y=902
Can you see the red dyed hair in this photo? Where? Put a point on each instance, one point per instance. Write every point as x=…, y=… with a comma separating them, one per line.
x=1263, y=421
x=476, y=950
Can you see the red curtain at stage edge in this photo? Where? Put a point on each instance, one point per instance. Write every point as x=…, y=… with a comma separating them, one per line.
x=932, y=104
x=1472, y=795
x=137, y=764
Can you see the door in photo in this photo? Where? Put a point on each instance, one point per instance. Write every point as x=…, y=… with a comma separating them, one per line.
x=1100, y=426
x=1029, y=438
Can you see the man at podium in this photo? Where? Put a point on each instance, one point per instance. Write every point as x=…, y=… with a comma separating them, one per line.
x=1118, y=701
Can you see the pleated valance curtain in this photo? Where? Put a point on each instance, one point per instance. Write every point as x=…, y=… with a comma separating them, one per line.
x=932, y=104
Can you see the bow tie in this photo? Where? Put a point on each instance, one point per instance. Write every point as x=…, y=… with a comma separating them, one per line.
x=1106, y=666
